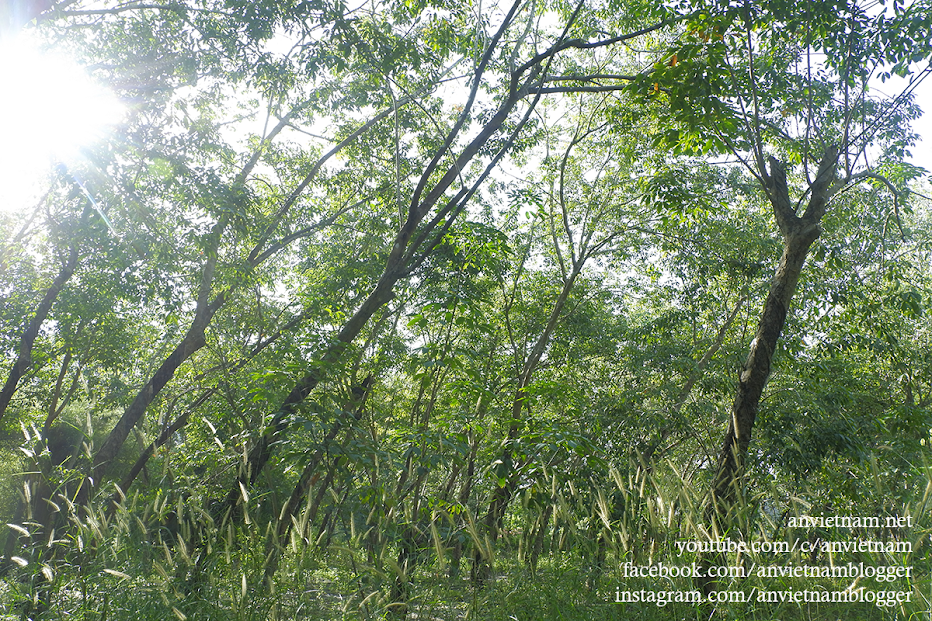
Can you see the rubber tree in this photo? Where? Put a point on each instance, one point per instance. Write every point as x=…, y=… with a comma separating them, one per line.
x=434, y=204
x=27, y=340
x=799, y=232
x=743, y=81
x=245, y=230
x=587, y=208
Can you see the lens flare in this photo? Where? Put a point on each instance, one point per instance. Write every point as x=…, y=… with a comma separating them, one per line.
x=50, y=109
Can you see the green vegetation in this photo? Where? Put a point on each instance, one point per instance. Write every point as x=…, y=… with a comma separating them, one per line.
x=438, y=310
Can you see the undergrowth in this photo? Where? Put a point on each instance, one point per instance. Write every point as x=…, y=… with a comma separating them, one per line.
x=129, y=563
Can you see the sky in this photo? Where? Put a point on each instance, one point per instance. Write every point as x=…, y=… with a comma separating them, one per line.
x=922, y=152
x=49, y=109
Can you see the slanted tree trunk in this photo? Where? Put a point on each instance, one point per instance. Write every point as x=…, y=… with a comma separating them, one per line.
x=35, y=503
x=193, y=340
x=182, y=420
x=647, y=456
x=279, y=539
x=28, y=339
x=415, y=240
x=262, y=450
x=799, y=232
x=59, y=400
x=205, y=309
x=502, y=495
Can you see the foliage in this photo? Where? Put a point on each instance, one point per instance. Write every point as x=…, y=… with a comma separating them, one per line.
x=438, y=309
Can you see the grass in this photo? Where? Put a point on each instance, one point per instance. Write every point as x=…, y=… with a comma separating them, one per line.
x=124, y=566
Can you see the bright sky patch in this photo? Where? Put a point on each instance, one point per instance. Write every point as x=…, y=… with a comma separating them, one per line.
x=50, y=109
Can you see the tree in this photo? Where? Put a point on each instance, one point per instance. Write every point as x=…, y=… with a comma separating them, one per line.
x=418, y=236
x=739, y=66
x=586, y=208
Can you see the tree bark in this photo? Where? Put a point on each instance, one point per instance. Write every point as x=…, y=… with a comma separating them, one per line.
x=182, y=420
x=799, y=232
x=205, y=309
x=193, y=340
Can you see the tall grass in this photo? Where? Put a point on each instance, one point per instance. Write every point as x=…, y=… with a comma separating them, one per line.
x=159, y=556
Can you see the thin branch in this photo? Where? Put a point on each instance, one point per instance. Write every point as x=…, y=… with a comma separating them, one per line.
x=305, y=232
x=893, y=190
x=550, y=90
x=296, y=193
x=415, y=211
x=174, y=8
x=758, y=144
x=581, y=44
x=590, y=78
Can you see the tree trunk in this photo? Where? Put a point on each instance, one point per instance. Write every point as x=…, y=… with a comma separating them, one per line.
x=799, y=232
x=279, y=539
x=193, y=340
x=537, y=545
x=408, y=251
x=28, y=339
x=502, y=494
x=261, y=452
x=756, y=369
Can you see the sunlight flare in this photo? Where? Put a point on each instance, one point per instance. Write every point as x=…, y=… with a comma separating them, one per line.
x=49, y=111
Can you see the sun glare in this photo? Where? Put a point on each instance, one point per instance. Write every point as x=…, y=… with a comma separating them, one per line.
x=50, y=109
